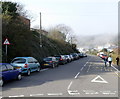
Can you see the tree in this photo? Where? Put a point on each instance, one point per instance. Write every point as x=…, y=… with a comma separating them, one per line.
x=9, y=8
x=56, y=35
x=66, y=30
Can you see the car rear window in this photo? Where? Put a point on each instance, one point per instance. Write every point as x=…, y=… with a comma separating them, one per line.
x=19, y=61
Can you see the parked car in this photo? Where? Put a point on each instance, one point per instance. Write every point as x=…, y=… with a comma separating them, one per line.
x=84, y=55
x=72, y=58
x=49, y=62
x=8, y=72
x=61, y=59
x=81, y=55
x=68, y=58
x=103, y=56
x=75, y=56
x=26, y=64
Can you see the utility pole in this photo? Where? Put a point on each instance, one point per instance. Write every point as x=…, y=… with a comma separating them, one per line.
x=40, y=31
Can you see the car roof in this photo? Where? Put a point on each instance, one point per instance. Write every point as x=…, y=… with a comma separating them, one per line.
x=23, y=57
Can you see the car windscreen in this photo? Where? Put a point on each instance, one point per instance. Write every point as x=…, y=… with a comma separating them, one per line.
x=19, y=61
x=47, y=59
x=66, y=56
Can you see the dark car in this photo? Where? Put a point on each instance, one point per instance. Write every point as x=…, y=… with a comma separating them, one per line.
x=49, y=62
x=8, y=72
x=61, y=58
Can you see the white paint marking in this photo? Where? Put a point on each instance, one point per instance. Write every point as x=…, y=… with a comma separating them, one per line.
x=16, y=96
x=77, y=75
x=90, y=92
x=99, y=81
x=89, y=68
x=108, y=92
x=82, y=68
x=54, y=94
x=36, y=94
x=70, y=85
x=75, y=92
x=115, y=68
x=43, y=70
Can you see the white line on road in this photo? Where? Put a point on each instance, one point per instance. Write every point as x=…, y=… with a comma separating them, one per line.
x=16, y=96
x=77, y=75
x=54, y=94
x=43, y=70
x=82, y=68
x=89, y=68
x=75, y=92
x=70, y=85
x=36, y=94
x=115, y=68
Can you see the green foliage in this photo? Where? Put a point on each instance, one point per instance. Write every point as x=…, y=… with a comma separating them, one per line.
x=25, y=42
x=9, y=8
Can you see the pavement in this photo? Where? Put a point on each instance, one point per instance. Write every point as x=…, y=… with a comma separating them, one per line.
x=86, y=77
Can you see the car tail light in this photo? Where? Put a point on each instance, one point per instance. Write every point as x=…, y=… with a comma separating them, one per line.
x=26, y=66
x=50, y=61
x=61, y=59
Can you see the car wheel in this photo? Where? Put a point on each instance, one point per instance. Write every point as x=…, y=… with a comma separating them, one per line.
x=38, y=69
x=28, y=72
x=1, y=82
x=53, y=66
x=19, y=77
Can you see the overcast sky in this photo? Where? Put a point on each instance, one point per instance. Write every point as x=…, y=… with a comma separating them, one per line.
x=85, y=17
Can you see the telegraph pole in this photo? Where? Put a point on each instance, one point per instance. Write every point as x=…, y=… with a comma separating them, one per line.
x=40, y=31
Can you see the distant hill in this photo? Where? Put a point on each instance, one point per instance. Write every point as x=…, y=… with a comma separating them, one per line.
x=96, y=40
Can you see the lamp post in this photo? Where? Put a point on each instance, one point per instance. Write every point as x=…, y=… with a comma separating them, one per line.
x=40, y=31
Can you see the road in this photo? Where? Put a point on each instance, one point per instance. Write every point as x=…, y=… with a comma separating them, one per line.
x=86, y=77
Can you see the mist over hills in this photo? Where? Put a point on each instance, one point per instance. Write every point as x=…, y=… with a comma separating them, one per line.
x=96, y=40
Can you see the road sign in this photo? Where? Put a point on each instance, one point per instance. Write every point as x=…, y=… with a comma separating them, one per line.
x=6, y=42
x=99, y=79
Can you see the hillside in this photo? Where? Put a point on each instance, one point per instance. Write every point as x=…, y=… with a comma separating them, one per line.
x=25, y=42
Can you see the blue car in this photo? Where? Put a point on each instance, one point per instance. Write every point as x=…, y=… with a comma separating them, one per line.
x=26, y=64
x=8, y=72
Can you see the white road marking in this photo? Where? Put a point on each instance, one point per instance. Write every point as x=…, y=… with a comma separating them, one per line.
x=77, y=75
x=54, y=94
x=89, y=68
x=99, y=81
x=75, y=92
x=108, y=92
x=43, y=70
x=92, y=92
x=115, y=68
x=16, y=96
x=70, y=85
x=82, y=68
x=36, y=94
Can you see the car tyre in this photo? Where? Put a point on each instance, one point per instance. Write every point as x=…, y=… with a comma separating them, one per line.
x=53, y=66
x=28, y=72
x=38, y=69
x=19, y=77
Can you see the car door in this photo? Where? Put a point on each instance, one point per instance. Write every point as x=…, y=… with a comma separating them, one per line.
x=12, y=72
x=36, y=63
x=5, y=73
x=31, y=64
